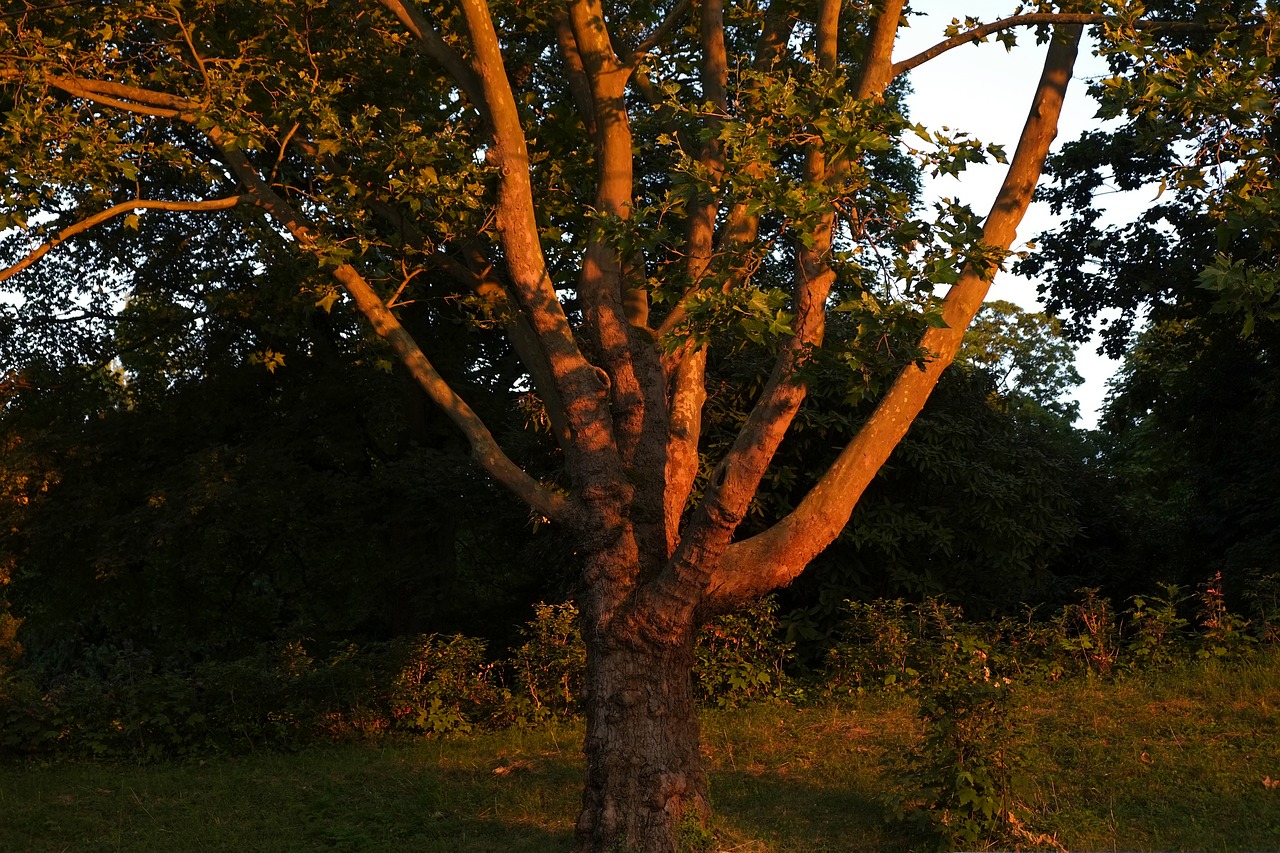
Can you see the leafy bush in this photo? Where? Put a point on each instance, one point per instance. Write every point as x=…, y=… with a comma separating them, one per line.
x=741, y=657
x=278, y=697
x=885, y=644
x=551, y=664
x=1156, y=627
x=1088, y=633
x=1261, y=597
x=957, y=784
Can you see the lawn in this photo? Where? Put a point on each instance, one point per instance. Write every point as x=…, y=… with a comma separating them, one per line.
x=1171, y=761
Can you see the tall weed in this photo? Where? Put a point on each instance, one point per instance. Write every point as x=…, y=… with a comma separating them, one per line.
x=1156, y=628
x=1224, y=634
x=958, y=783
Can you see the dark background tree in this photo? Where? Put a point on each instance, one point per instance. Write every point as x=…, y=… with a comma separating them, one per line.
x=1188, y=295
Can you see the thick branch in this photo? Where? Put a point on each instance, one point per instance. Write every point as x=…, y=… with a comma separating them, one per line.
x=484, y=449
x=637, y=385
x=773, y=558
x=688, y=386
x=579, y=86
x=128, y=98
x=736, y=478
x=116, y=210
x=742, y=226
x=576, y=379
x=439, y=50
x=877, y=56
x=738, y=475
x=1032, y=19
x=688, y=395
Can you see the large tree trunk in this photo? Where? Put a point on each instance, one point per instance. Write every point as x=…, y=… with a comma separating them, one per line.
x=645, y=777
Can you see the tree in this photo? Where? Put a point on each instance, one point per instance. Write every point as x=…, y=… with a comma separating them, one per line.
x=247, y=507
x=1192, y=286
x=1030, y=358
x=625, y=192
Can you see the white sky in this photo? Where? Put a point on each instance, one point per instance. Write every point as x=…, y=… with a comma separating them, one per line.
x=985, y=90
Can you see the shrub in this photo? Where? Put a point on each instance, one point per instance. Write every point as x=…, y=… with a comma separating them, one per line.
x=1156, y=627
x=958, y=783
x=551, y=664
x=1088, y=633
x=741, y=657
x=886, y=643
x=442, y=685
x=1261, y=596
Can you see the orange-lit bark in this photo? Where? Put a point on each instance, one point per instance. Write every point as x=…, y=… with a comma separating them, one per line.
x=773, y=558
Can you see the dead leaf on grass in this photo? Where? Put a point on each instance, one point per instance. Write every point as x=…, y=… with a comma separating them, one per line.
x=513, y=767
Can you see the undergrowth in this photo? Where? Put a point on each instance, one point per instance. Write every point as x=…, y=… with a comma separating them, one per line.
x=961, y=782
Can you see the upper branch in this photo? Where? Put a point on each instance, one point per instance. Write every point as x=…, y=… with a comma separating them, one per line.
x=439, y=50
x=577, y=381
x=877, y=58
x=115, y=210
x=1032, y=19
x=656, y=37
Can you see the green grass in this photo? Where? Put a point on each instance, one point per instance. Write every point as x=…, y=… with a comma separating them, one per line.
x=1175, y=761
x=1170, y=761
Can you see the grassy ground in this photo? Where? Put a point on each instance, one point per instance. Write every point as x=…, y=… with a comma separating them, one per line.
x=1162, y=762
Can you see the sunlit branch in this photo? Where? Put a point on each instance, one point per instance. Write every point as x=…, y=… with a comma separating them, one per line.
x=116, y=210
x=1032, y=19
x=877, y=60
x=579, y=86
x=132, y=99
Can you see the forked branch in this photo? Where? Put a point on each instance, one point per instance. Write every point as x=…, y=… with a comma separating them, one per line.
x=772, y=559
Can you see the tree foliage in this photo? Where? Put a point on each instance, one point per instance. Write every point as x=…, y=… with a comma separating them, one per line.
x=1190, y=287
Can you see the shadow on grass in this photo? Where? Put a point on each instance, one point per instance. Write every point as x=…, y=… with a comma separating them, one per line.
x=783, y=813
x=452, y=797
x=431, y=797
